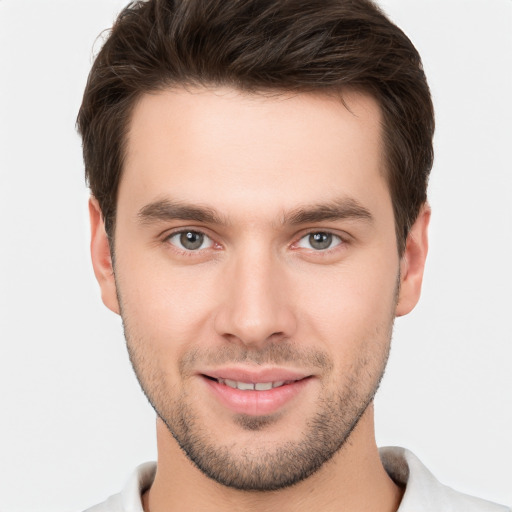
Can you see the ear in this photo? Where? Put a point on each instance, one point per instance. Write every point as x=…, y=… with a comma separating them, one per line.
x=412, y=264
x=101, y=257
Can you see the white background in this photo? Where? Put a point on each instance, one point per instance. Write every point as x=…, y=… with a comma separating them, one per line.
x=73, y=421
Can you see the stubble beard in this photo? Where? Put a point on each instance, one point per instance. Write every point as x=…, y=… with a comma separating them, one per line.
x=264, y=468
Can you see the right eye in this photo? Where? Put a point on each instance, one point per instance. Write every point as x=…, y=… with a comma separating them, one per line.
x=189, y=240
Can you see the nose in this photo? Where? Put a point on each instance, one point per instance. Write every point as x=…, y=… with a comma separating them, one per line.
x=256, y=305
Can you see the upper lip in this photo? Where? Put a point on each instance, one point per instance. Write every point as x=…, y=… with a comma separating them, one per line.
x=254, y=376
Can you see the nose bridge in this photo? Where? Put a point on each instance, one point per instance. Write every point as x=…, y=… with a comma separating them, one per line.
x=255, y=306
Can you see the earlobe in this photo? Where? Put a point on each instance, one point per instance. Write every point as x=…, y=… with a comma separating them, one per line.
x=412, y=264
x=101, y=257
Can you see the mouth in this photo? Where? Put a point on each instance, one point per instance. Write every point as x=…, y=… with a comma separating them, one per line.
x=252, y=386
x=256, y=395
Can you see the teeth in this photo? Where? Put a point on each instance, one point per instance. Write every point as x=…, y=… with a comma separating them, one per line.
x=245, y=386
x=263, y=386
x=230, y=383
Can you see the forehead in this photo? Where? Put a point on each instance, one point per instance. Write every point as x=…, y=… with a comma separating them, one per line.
x=222, y=147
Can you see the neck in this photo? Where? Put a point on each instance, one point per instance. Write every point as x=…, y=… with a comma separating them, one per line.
x=353, y=480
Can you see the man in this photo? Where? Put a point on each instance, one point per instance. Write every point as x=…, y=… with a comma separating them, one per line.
x=259, y=218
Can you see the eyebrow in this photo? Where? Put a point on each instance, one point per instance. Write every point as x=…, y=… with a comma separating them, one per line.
x=166, y=210
x=340, y=209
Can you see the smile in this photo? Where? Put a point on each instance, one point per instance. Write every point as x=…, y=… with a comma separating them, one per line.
x=256, y=395
x=253, y=386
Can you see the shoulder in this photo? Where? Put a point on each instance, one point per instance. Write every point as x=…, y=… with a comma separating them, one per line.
x=423, y=492
x=112, y=504
x=129, y=499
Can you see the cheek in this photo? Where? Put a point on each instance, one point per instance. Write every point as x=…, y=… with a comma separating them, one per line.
x=348, y=306
x=170, y=307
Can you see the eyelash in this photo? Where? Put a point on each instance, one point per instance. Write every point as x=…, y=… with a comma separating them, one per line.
x=189, y=252
x=341, y=241
x=327, y=250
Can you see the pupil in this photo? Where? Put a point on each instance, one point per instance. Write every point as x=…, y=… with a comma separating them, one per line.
x=191, y=240
x=320, y=240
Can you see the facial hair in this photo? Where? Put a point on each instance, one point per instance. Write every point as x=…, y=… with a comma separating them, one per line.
x=263, y=468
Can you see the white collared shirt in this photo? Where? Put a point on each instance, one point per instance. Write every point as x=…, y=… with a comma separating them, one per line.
x=423, y=493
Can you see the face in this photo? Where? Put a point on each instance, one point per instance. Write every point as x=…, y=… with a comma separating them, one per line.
x=257, y=274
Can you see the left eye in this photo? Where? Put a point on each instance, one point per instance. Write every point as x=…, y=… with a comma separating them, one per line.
x=190, y=240
x=319, y=241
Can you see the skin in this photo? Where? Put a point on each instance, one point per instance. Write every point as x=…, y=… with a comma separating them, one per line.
x=257, y=294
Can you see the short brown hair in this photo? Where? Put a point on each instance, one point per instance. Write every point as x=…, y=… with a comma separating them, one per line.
x=255, y=46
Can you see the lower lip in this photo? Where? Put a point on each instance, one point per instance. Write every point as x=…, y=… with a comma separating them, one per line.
x=256, y=403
